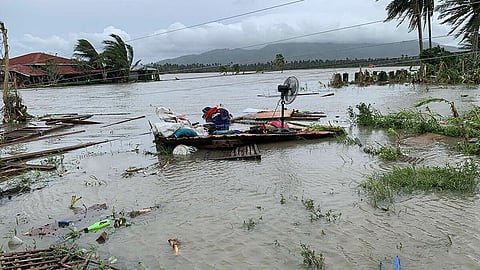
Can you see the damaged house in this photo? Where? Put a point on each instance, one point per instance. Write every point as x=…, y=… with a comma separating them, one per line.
x=41, y=69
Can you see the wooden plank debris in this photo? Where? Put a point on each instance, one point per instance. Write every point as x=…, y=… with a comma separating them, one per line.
x=409, y=159
x=30, y=132
x=16, y=168
x=49, y=259
x=37, y=138
x=244, y=152
x=32, y=155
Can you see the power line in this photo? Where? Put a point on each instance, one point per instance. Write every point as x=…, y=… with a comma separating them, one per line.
x=217, y=20
x=312, y=34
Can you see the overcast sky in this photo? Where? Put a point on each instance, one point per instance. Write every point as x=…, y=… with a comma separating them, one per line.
x=54, y=26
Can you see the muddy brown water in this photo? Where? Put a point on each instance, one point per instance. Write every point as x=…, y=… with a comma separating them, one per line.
x=206, y=203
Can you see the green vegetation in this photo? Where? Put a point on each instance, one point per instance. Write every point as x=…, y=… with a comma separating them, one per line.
x=463, y=17
x=414, y=121
x=381, y=188
x=384, y=152
x=336, y=81
x=465, y=126
x=443, y=67
x=250, y=223
x=317, y=214
x=311, y=259
x=279, y=62
x=116, y=59
x=414, y=11
x=318, y=127
x=282, y=199
x=288, y=65
x=74, y=200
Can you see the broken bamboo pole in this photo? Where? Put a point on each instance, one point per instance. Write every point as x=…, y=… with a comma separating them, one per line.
x=27, y=156
x=31, y=139
x=123, y=121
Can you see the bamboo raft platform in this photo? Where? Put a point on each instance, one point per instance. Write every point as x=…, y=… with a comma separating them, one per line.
x=231, y=141
x=49, y=259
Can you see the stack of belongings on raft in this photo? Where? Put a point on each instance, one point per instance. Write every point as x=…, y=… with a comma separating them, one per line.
x=217, y=120
x=176, y=125
x=270, y=127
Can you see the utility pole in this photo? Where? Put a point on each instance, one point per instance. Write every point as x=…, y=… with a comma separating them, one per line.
x=6, y=63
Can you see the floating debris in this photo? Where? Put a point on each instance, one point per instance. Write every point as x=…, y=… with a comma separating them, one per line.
x=49, y=229
x=102, y=238
x=174, y=243
x=136, y=213
x=50, y=259
x=411, y=160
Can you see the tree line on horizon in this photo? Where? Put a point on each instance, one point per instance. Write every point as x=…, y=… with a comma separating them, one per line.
x=274, y=65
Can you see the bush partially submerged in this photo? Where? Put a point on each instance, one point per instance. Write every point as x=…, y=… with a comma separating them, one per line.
x=466, y=126
x=317, y=127
x=381, y=188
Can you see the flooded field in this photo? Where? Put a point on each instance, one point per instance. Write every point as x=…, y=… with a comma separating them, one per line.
x=243, y=214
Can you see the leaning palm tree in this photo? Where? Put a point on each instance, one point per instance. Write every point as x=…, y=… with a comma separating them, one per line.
x=85, y=51
x=407, y=9
x=118, y=56
x=464, y=17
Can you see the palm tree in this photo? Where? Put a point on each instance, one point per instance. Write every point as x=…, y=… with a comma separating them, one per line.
x=85, y=51
x=118, y=56
x=411, y=9
x=428, y=8
x=464, y=17
x=279, y=61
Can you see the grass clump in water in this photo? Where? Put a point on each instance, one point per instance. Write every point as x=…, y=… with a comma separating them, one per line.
x=311, y=259
x=414, y=121
x=381, y=188
x=317, y=214
x=317, y=127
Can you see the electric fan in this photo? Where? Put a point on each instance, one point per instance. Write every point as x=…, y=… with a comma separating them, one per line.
x=288, y=92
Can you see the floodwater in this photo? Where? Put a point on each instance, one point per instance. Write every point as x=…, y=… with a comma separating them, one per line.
x=205, y=204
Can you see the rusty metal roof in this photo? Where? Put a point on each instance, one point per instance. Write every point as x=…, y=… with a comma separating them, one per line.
x=39, y=58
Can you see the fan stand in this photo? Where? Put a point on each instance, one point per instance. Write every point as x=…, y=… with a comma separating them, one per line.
x=283, y=90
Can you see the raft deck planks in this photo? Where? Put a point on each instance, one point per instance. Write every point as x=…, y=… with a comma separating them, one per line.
x=245, y=152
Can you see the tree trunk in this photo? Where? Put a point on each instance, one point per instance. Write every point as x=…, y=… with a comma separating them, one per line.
x=419, y=28
x=475, y=43
x=430, y=13
x=6, y=64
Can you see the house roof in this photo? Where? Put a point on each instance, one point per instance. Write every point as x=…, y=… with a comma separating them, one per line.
x=27, y=70
x=39, y=58
x=29, y=64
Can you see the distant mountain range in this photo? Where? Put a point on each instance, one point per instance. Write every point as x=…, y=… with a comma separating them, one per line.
x=302, y=51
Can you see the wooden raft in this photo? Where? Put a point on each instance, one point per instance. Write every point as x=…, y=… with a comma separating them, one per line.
x=243, y=152
x=48, y=259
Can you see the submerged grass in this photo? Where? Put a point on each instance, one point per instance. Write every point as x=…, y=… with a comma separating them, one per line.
x=311, y=259
x=414, y=121
x=382, y=188
x=340, y=131
x=466, y=126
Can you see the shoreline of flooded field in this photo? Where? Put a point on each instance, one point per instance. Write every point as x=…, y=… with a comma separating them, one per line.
x=208, y=205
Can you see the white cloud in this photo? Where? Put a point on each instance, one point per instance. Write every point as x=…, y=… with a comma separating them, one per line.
x=311, y=19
